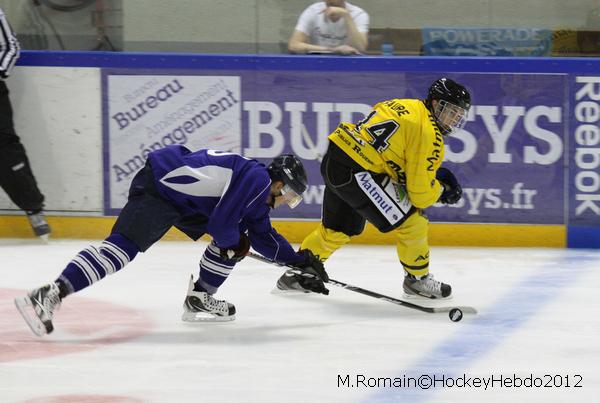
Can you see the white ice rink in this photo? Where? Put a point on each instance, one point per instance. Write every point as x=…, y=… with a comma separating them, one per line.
x=122, y=340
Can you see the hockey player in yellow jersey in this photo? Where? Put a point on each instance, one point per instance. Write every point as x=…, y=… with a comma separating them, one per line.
x=386, y=170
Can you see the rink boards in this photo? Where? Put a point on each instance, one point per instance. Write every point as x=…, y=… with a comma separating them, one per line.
x=528, y=158
x=447, y=234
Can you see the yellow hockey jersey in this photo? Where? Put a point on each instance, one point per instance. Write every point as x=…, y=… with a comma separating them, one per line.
x=401, y=139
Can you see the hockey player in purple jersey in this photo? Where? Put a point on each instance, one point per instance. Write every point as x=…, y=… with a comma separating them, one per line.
x=205, y=192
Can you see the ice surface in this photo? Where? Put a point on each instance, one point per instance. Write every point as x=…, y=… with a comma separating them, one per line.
x=122, y=339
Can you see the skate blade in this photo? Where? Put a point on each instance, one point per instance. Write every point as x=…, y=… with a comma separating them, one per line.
x=279, y=291
x=417, y=297
x=202, y=317
x=34, y=323
x=44, y=238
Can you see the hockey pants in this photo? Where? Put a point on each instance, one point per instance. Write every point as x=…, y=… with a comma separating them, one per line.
x=346, y=209
x=16, y=177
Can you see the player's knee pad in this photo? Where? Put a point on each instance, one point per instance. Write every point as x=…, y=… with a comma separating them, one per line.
x=413, y=245
x=324, y=241
x=336, y=237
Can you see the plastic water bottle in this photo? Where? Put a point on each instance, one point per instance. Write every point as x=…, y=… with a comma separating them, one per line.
x=387, y=49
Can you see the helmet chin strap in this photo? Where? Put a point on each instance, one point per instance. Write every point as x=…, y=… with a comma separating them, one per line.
x=443, y=128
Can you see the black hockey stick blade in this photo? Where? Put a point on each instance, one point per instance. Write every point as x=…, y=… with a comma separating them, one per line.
x=464, y=309
x=373, y=294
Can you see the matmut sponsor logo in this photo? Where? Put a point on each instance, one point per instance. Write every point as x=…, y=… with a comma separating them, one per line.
x=587, y=138
x=387, y=207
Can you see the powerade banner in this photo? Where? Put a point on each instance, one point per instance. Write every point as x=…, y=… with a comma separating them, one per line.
x=509, y=158
x=487, y=41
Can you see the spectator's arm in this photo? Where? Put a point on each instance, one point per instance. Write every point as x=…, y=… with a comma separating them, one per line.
x=356, y=39
x=298, y=43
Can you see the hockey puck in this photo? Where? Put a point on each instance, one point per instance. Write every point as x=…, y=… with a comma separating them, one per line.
x=455, y=315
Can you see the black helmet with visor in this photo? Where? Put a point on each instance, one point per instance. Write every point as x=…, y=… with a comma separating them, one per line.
x=288, y=169
x=452, y=104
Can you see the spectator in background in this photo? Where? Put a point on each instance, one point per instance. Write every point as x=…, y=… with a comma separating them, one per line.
x=16, y=177
x=588, y=38
x=331, y=26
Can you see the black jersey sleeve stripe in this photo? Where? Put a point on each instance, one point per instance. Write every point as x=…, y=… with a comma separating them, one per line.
x=9, y=47
x=414, y=267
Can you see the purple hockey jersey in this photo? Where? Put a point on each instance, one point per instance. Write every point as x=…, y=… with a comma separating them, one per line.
x=229, y=189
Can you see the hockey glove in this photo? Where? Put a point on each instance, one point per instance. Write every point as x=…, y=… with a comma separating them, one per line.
x=239, y=252
x=452, y=190
x=316, y=274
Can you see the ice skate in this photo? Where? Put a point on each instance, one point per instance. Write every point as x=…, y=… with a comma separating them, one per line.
x=288, y=284
x=200, y=306
x=426, y=287
x=39, y=225
x=37, y=308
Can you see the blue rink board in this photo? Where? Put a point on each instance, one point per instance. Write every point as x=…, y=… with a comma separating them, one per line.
x=319, y=63
x=579, y=235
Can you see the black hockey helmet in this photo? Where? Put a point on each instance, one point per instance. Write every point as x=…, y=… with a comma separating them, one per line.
x=289, y=169
x=454, y=99
x=450, y=91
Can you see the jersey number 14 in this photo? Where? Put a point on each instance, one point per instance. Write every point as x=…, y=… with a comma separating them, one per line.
x=379, y=132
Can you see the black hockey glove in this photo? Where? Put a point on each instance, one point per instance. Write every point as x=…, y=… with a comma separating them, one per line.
x=452, y=190
x=316, y=274
x=239, y=252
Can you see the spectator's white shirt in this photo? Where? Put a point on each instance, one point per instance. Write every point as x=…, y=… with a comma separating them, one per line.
x=323, y=32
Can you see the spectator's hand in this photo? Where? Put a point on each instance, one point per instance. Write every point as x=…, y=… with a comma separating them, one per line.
x=345, y=50
x=335, y=13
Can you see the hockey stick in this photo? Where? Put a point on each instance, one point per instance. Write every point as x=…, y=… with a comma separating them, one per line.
x=464, y=309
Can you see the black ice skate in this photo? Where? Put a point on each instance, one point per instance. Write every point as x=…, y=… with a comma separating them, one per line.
x=39, y=225
x=37, y=308
x=288, y=283
x=426, y=287
x=200, y=306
